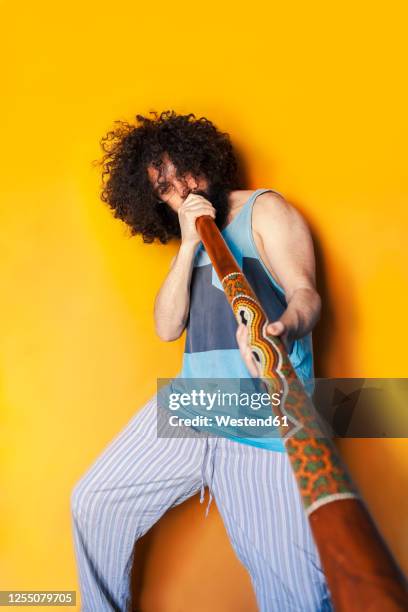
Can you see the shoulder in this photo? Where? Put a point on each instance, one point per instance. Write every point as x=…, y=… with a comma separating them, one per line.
x=273, y=211
x=238, y=197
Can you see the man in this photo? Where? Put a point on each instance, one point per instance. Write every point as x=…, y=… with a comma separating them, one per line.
x=153, y=170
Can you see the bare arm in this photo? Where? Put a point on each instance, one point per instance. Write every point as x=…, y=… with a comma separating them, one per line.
x=286, y=247
x=173, y=299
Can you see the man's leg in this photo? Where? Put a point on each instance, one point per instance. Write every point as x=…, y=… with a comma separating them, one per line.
x=257, y=496
x=129, y=487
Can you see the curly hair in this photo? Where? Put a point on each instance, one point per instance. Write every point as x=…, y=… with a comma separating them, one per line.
x=194, y=145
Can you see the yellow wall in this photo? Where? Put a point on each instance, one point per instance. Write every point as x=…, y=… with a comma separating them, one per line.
x=313, y=95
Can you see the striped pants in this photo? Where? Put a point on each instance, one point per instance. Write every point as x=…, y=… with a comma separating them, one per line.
x=139, y=476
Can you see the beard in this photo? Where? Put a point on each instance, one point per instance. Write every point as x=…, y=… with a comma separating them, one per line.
x=217, y=195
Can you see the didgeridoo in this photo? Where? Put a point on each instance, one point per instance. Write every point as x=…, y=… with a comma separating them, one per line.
x=361, y=572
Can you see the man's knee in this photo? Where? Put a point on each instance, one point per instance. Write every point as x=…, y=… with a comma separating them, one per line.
x=87, y=494
x=94, y=498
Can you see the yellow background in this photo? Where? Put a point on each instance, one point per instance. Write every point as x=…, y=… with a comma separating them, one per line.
x=314, y=98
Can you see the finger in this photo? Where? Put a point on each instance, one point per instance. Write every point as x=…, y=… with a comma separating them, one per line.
x=242, y=333
x=250, y=360
x=246, y=351
x=202, y=212
x=276, y=328
x=251, y=363
x=192, y=199
x=193, y=202
x=205, y=208
x=198, y=206
x=242, y=339
x=205, y=213
x=252, y=366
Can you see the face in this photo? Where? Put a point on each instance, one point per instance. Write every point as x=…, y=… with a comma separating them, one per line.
x=171, y=189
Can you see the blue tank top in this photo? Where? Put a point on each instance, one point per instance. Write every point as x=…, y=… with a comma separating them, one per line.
x=211, y=349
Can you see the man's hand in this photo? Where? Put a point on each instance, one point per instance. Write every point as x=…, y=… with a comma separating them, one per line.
x=194, y=206
x=287, y=335
x=277, y=328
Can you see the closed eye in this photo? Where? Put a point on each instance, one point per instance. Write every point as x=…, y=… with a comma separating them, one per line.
x=163, y=188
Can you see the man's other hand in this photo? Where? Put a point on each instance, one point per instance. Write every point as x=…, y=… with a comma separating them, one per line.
x=277, y=328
